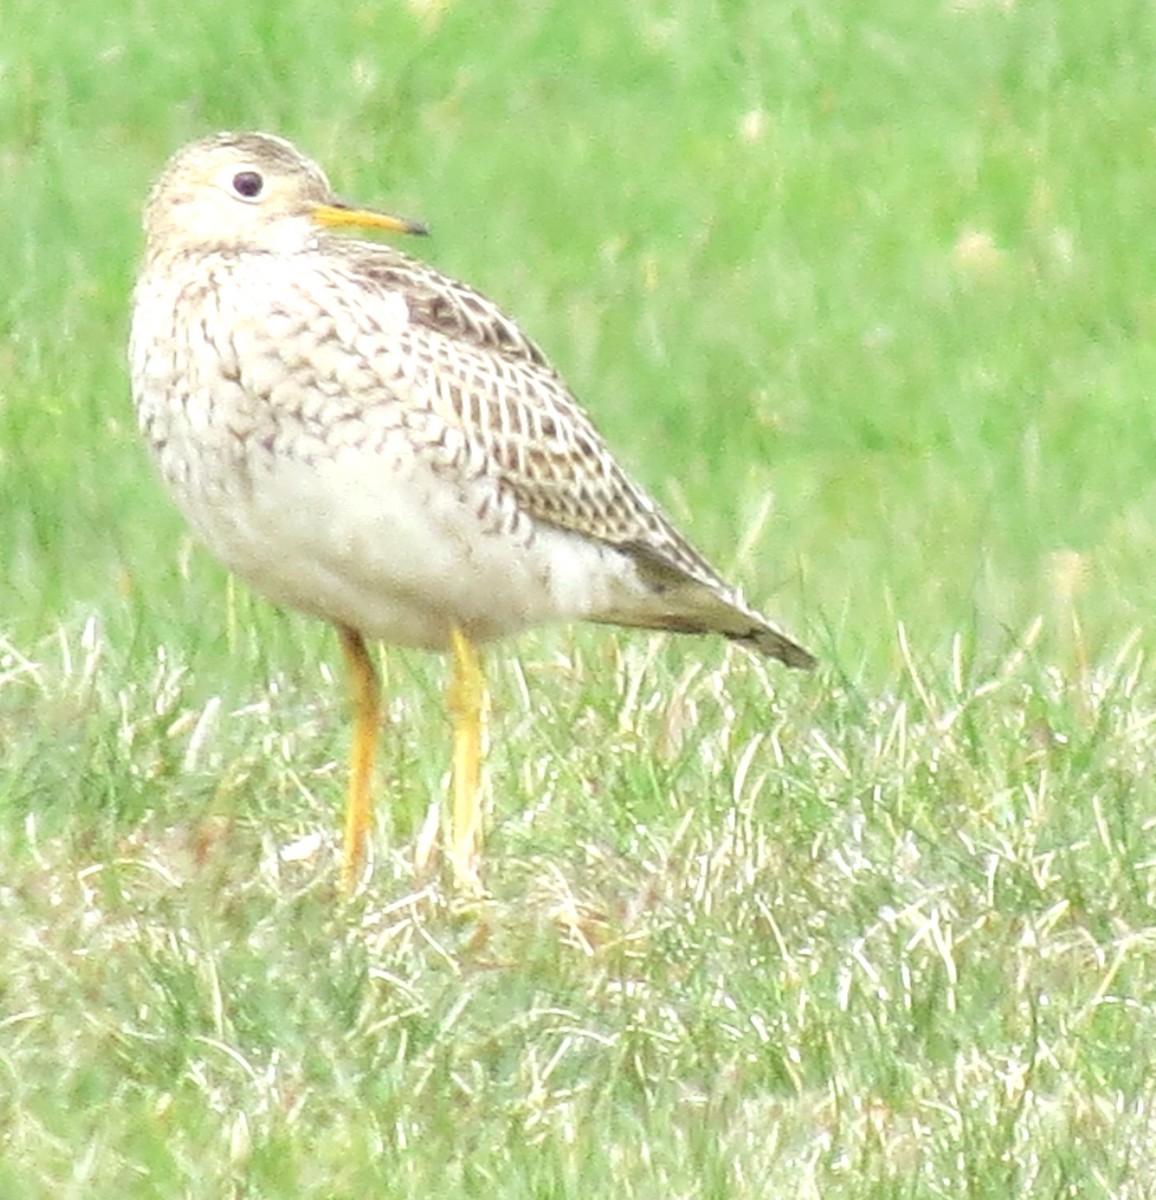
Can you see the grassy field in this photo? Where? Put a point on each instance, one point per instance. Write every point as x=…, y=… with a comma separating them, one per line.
x=866, y=293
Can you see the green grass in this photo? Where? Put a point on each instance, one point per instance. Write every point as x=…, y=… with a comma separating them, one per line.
x=864, y=292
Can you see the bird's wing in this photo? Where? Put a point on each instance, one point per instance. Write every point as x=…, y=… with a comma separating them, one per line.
x=439, y=303
x=479, y=374
x=482, y=375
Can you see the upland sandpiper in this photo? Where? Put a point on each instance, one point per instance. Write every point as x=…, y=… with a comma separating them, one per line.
x=361, y=438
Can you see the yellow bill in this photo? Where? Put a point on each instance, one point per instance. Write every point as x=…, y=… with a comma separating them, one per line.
x=343, y=216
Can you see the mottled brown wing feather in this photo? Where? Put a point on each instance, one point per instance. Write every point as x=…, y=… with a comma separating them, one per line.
x=516, y=411
x=483, y=375
x=440, y=304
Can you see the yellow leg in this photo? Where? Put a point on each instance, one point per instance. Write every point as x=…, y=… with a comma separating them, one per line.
x=467, y=706
x=366, y=695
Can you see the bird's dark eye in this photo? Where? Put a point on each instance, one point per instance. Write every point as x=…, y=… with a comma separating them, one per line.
x=248, y=184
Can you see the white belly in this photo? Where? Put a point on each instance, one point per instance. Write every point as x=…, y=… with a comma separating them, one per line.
x=392, y=549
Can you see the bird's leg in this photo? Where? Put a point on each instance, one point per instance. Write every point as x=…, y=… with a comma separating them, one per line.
x=467, y=707
x=366, y=696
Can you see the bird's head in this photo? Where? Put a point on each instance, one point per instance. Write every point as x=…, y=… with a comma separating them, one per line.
x=250, y=191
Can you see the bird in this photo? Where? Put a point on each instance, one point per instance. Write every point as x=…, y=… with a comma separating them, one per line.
x=366, y=440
